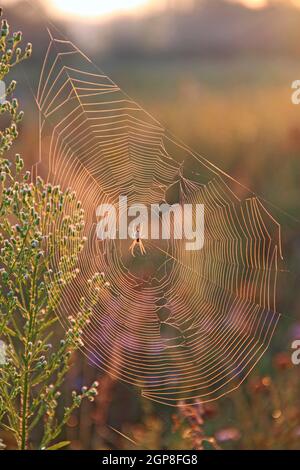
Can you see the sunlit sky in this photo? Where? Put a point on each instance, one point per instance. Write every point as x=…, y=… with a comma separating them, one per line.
x=94, y=9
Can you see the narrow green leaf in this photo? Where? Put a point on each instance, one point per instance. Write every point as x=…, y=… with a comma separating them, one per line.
x=59, y=445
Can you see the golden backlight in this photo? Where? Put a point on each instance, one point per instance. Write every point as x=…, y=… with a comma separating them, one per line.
x=255, y=3
x=252, y=3
x=97, y=8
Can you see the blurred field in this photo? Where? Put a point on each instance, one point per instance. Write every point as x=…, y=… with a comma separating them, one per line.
x=237, y=113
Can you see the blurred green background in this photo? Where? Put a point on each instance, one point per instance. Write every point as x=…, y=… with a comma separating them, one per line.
x=218, y=74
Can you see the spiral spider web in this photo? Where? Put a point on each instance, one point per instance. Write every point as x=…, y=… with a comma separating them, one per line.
x=181, y=325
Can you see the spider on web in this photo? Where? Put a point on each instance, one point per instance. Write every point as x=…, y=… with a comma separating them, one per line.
x=137, y=241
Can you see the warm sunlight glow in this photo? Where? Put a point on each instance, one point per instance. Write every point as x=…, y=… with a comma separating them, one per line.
x=252, y=3
x=96, y=8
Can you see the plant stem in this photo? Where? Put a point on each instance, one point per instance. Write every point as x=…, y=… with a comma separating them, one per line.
x=26, y=382
x=24, y=405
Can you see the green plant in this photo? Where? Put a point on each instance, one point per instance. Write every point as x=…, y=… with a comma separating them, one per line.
x=41, y=236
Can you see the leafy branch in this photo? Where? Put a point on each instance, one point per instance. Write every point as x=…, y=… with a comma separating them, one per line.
x=41, y=237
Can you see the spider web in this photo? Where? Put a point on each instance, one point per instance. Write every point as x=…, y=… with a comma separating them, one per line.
x=181, y=325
